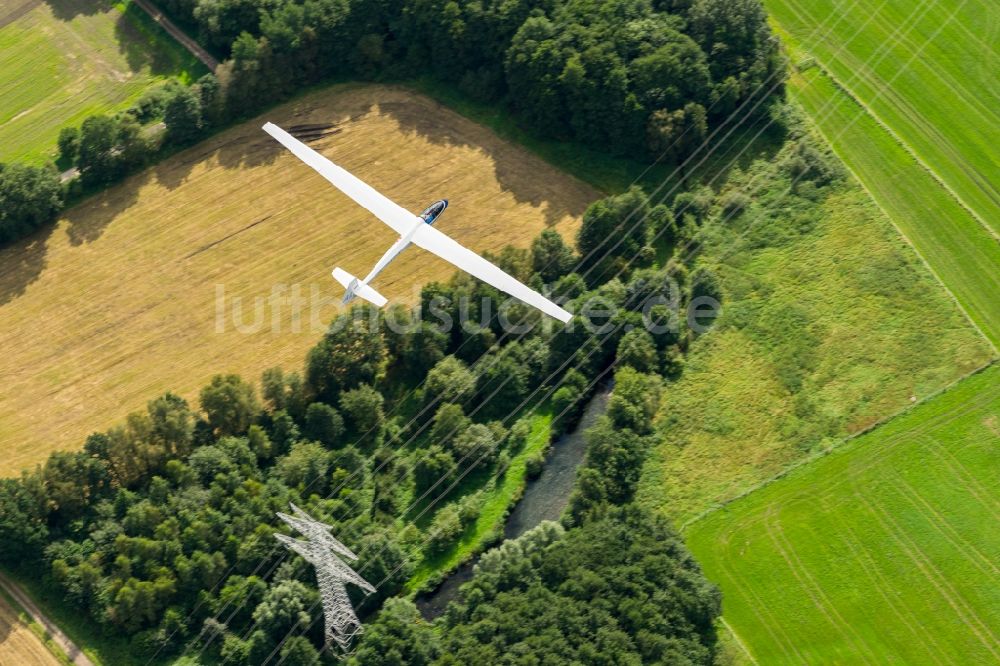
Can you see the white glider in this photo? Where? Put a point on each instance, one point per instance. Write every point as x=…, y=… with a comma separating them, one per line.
x=415, y=229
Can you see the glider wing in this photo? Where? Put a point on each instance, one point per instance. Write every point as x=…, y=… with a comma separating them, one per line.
x=434, y=241
x=394, y=215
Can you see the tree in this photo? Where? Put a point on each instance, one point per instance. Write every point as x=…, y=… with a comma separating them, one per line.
x=364, y=408
x=172, y=423
x=612, y=227
x=298, y=651
x=23, y=528
x=352, y=353
x=433, y=465
x=635, y=399
x=567, y=401
x=273, y=388
x=98, y=160
x=636, y=349
x=449, y=422
x=551, y=258
x=450, y=380
x=29, y=198
x=675, y=135
x=183, y=117
x=444, y=530
x=230, y=404
x=618, y=454
x=69, y=143
x=323, y=424
x=424, y=348
x=398, y=635
x=285, y=607
x=503, y=384
x=306, y=467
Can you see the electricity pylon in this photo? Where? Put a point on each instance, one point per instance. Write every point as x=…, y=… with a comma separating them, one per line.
x=332, y=575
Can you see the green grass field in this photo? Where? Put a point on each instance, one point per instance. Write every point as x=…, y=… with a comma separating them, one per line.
x=885, y=551
x=927, y=70
x=64, y=60
x=960, y=251
x=830, y=324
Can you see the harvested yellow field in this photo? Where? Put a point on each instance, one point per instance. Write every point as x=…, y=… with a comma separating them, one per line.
x=17, y=644
x=212, y=261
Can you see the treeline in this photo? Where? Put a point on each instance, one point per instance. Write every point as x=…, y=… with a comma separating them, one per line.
x=106, y=148
x=636, y=78
x=644, y=79
x=161, y=529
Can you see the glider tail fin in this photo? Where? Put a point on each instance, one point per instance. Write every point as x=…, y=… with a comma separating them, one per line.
x=356, y=287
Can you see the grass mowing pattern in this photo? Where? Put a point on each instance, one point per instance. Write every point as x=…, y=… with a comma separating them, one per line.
x=884, y=551
x=64, y=60
x=830, y=324
x=964, y=256
x=944, y=104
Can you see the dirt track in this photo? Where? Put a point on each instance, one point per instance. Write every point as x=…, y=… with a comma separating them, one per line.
x=17, y=643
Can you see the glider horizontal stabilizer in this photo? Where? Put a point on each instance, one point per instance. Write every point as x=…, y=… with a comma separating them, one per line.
x=356, y=287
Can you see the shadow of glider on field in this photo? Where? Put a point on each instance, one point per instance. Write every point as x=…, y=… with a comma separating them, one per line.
x=415, y=229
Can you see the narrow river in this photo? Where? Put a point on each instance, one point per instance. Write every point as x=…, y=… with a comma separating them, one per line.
x=545, y=498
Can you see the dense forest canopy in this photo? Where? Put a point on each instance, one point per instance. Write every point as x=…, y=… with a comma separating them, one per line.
x=627, y=76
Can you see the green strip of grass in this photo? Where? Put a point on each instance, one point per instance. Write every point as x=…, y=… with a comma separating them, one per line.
x=35, y=628
x=883, y=551
x=500, y=499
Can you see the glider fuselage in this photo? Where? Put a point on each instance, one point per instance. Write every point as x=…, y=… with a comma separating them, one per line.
x=429, y=216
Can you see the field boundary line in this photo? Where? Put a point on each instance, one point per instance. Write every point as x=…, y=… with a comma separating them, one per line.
x=35, y=629
x=819, y=64
x=895, y=226
x=834, y=447
x=55, y=636
x=739, y=641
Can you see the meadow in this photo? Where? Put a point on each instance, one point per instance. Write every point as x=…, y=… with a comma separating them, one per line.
x=883, y=551
x=829, y=325
x=927, y=71
x=120, y=301
x=64, y=60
